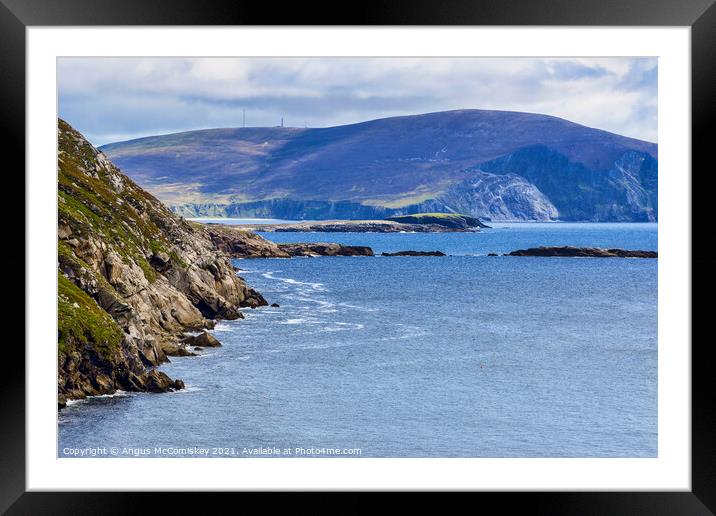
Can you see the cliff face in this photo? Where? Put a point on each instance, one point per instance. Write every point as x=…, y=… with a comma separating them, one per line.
x=132, y=278
x=626, y=191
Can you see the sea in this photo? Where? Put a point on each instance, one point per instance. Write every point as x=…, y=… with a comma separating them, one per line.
x=466, y=355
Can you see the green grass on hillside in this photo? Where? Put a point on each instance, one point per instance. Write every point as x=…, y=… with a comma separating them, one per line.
x=81, y=322
x=430, y=215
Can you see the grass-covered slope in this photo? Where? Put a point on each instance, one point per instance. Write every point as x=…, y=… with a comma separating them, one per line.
x=132, y=277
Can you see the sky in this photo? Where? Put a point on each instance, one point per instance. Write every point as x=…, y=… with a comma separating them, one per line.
x=115, y=99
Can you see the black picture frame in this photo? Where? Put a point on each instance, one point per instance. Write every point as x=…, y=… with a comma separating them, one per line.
x=700, y=15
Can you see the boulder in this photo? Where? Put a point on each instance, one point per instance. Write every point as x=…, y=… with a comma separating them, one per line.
x=204, y=340
x=157, y=381
x=174, y=349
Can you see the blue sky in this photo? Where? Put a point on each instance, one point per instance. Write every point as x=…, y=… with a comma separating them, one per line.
x=113, y=99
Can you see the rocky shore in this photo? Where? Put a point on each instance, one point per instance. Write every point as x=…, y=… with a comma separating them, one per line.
x=359, y=226
x=583, y=252
x=133, y=278
x=238, y=242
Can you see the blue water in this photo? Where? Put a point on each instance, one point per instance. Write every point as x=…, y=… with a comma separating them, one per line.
x=458, y=356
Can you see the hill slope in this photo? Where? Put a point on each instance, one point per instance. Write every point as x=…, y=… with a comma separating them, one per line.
x=132, y=278
x=497, y=164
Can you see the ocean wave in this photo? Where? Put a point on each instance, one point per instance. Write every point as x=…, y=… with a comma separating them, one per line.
x=201, y=355
x=187, y=390
x=117, y=394
x=224, y=326
x=343, y=326
x=410, y=332
x=291, y=281
x=300, y=321
x=357, y=307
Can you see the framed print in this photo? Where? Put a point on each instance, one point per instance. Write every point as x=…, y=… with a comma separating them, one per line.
x=420, y=249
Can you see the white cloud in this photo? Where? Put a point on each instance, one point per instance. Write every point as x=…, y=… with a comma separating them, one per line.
x=131, y=97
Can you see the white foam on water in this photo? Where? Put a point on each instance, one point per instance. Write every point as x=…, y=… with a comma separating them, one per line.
x=293, y=321
x=410, y=333
x=356, y=307
x=223, y=326
x=291, y=281
x=323, y=303
x=203, y=355
x=343, y=326
x=117, y=394
x=300, y=321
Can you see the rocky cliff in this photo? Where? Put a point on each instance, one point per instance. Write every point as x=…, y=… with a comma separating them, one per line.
x=132, y=278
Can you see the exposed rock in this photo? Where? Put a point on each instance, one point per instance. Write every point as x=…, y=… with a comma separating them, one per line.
x=275, y=305
x=415, y=253
x=499, y=197
x=356, y=226
x=325, y=249
x=157, y=381
x=447, y=220
x=204, y=340
x=132, y=278
x=492, y=254
x=176, y=349
x=594, y=252
x=240, y=243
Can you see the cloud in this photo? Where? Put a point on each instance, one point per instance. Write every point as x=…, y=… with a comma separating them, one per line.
x=110, y=99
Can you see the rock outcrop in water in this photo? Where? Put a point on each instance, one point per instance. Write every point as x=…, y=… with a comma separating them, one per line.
x=415, y=253
x=362, y=226
x=325, y=249
x=452, y=221
x=583, y=252
x=132, y=278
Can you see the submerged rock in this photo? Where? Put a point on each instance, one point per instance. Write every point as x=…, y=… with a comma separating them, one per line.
x=415, y=253
x=593, y=252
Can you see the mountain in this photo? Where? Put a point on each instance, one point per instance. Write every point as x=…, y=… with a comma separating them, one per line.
x=132, y=278
x=488, y=164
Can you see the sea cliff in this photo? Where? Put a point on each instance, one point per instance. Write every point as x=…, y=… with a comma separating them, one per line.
x=133, y=278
